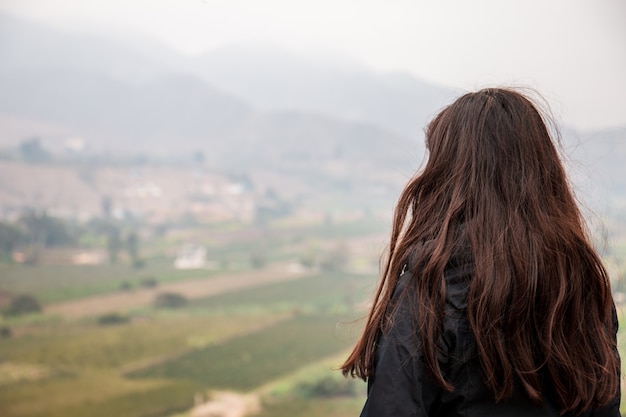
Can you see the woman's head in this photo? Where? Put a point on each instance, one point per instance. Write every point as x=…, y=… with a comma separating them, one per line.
x=493, y=147
x=539, y=301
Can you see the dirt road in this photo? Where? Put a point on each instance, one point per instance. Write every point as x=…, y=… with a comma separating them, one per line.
x=228, y=404
x=195, y=288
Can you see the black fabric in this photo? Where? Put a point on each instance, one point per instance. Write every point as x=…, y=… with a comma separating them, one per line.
x=401, y=387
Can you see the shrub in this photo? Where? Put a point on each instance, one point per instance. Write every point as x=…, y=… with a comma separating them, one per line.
x=258, y=259
x=113, y=318
x=23, y=304
x=336, y=260
x=169, y=300
x=328, y=386
x=149, y=282
x=5, y=332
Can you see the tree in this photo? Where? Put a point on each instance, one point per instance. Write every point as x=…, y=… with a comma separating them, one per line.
x=43, y=230
x=32, y=151
x=10, y=238
x=132, y=246
x=114, y=243
x=107, y=206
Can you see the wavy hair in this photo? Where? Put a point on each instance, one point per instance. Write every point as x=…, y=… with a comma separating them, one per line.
x=539, y=300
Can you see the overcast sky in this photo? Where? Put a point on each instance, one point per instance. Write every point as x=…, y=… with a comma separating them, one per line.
x=572, y=51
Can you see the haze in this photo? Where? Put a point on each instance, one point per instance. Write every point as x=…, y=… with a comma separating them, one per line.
x=574, y=52
x=195, y=195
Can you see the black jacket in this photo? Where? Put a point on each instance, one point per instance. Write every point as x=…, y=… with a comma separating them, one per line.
x=401, y=386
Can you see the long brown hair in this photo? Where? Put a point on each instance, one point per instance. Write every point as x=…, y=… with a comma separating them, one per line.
x=539, y=300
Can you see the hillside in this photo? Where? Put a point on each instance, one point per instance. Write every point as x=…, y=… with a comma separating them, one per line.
x=273, y=79
x=244, y=107
x=29, y=45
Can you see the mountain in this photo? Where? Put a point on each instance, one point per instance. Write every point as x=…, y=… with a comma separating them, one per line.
x=273, y=79
x=27, y=45
x=244, y=106
x=180, y=114
x=115, y=114
x=266, y=77
x=596, y=165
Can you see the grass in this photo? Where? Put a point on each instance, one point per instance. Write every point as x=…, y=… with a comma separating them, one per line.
x=76, y=369
x=328, y=232
x=95, y=394
x=253, y=359
x=84, y=345
x=174, y=354
x=157, y=401
x=274, y=339
x=322, y=292
x=314, y=407
x=56, y=283
x=11, y=373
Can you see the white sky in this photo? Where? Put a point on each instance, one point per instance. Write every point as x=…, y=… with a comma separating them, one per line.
x=572, y=51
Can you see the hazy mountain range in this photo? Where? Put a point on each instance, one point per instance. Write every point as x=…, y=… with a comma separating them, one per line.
x=242, y=106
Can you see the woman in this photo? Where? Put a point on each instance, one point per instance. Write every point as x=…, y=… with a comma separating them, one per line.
x=492, y=301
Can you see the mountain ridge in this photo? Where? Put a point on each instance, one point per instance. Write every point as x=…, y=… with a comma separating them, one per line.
x=241, y=105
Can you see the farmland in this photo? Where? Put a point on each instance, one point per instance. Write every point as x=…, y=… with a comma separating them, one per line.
x=243, y=328
x=267, y=336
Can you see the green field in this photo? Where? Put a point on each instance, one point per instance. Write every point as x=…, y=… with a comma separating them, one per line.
x=323, y=292
x=155, y=361
x=154, y=364
x=56, y=283
x=279, y=342
x=247, y=362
